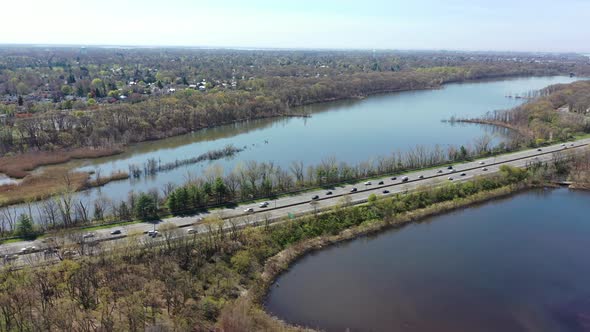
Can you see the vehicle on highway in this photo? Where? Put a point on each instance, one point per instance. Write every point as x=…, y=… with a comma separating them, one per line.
x=314, y=197
x=328, y=193
x=421, y=177
x=88, y=235
x=484, y=169
x=386, y=191
x=263, y=204
x=450, y=167
x=463, y=174
x=405, y=179
x=539, y=149
x=394, y=178
x=69, y=254
x=8, y=258
x=50, y=251
x=191, y=231
x=27, y=250
x=380, y=182
x=152, y=233
x=440, y=171
x=482, y=162
x=116, y=231
x=562, y=144
x=450, y=178
x=572, y=144
x=368, y=183
x=353, y=190
x=249, y=210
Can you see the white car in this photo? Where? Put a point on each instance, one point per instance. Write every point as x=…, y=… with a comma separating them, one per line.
x=191, y=231
x=482, y=162
x=249, y=210
x=152, y=233
x=263, y=204
x=484, y=169
x=368, y=183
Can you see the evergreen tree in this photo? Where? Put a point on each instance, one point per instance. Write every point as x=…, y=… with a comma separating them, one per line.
x=24, y=226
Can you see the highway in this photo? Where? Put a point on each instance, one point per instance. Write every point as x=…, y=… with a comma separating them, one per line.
x=299, y=204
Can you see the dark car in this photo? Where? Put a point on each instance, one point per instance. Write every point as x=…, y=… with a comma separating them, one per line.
x=116, y=231
x=329, y=193
x=450, y=167
x=386, y=191
x=421, y=177
x=539, y=149
x=353, y=190
x=380, y=182
x=439, y=171
x=315, y=197
x=463, y=174
x=394, y=178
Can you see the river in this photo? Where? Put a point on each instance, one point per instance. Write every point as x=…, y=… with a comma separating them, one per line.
x=349, y=130
x=517, y=264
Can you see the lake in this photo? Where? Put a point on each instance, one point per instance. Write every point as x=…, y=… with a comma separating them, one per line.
x=516, y=264
x=349, y=130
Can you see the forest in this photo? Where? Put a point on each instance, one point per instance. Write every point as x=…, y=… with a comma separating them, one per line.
x=63, y=98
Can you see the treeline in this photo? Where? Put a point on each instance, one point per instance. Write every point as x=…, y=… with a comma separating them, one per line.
x=189, y=110
x=560, y=111
x=248, y=181
x=185, y=283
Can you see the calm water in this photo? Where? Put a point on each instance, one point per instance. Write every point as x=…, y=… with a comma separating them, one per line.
x=351, y=131
x=519, y=264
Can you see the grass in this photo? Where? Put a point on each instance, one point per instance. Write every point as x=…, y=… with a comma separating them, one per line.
x=36, y=187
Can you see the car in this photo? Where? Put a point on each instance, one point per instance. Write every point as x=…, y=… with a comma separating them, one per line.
x=328, y=193
x=440, y=171
x=50, y=251
x=380, y=182
x=450, y=178
x=88, y=235
x=368, y=183
x=191, y=231
x=116, y=231
x=69, y=253
x=539, y=149
x=10, y=257
x=453, y=170
x=572, y=144
x=152, y=233
x=314, y=197
x=562, y=144
x=463, y=174
x=263, y=204
x=482, y=162
x=405, y=179
x=353, y=190
x=421, y=177
x=450, y=167
x=394, y=178
x=249, y=210
x=484, y=169
x=386, y=191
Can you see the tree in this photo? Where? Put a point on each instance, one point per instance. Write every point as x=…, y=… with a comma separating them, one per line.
x=220, y=189
x=24, y=227
x=145, y=208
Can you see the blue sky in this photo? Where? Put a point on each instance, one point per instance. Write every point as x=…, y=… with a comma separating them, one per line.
x=519, y=25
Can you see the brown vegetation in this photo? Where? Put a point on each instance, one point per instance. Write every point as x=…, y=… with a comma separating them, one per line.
x=36, y=187
x=18, y=166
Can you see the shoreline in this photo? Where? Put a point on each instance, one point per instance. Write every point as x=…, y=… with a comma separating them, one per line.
x=281, y=262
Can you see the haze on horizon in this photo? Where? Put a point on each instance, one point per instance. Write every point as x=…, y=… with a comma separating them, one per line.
x=501, y=25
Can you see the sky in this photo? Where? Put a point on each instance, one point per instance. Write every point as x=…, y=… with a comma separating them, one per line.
x=502, y=25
